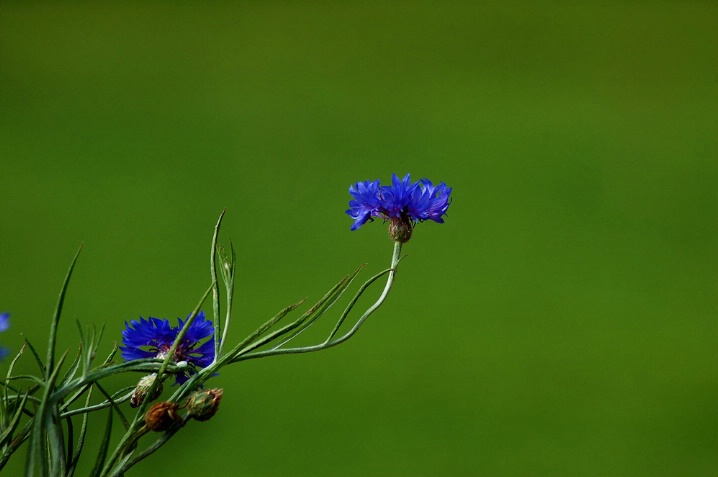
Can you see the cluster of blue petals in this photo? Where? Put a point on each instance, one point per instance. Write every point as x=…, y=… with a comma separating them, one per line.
x=403, y=199
x=153, y=338
x=4, y=325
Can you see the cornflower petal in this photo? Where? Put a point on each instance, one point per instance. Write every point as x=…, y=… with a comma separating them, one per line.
x=430, y=202
x=396, y=198
x=365, y=204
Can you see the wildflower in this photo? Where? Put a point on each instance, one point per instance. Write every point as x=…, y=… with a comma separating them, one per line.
x=403, y=203
x=202, y=405
x=4, y=325
x=153, y=338
x=162, y=416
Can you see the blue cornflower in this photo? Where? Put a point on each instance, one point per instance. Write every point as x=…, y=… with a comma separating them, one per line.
x=403, y=203
x=4, y=325
x=153, y=338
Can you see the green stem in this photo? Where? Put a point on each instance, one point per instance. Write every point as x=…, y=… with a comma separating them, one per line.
x=396, y=257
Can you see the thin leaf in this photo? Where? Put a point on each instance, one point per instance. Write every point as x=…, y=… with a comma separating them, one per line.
x=269, y=324
x=127, y=463
x=353, y=302
x=56, y=444
x=70, y=440
x=43, y=370
x=15, y=443
x=323, y=309
x=104, y=445
x=28, y=377
x=229, y=268
x=70, y=374
x=5, y=396
x=72, y=463
x=396, y=258
x=332, y=293
x=36, y=455
x=11, y=367
x=7, y=433
x=118, y=397
x=56, y=317
x=114, y=405
x=99, y=338
x=215, y=285
x=112, y=354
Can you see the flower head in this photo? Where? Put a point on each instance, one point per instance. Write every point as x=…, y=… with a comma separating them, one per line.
x=153, y=338
x=403, y=203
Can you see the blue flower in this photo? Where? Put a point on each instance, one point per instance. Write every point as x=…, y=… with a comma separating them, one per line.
x=403, y=202
x=153, y=338
x=4, y=325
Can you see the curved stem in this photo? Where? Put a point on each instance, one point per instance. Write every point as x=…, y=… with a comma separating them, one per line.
x=396, y=257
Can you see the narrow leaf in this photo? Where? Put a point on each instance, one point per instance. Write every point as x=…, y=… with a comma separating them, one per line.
x=215, y=285
x=72, y=464
x=7, y=433
x=114, y=405
x=73, y=369
x=104, y=445
x=37, y=357
x=36, y=463
x=333, y=292
x=56, y=317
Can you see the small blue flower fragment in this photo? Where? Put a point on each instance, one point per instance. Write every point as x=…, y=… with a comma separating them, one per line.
x=4, y=321
x=4, y=325
x=402, y=202
x=153, y=338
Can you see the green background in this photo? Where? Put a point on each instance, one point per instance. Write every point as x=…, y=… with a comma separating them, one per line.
x=561, y=322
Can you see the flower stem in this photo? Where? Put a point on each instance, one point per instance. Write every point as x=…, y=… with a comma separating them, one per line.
x=396, y=257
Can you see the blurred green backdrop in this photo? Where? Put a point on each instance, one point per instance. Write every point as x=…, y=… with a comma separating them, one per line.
x=561, y=322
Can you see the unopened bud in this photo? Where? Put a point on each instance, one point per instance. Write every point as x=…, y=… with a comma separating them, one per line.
x=162, y=416
x=143, y=387
x=202, y=405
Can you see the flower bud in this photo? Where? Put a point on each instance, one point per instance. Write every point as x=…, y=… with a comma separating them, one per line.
x=202, y=405
x=143, y=387
x=400, y=229
x=162, y=416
